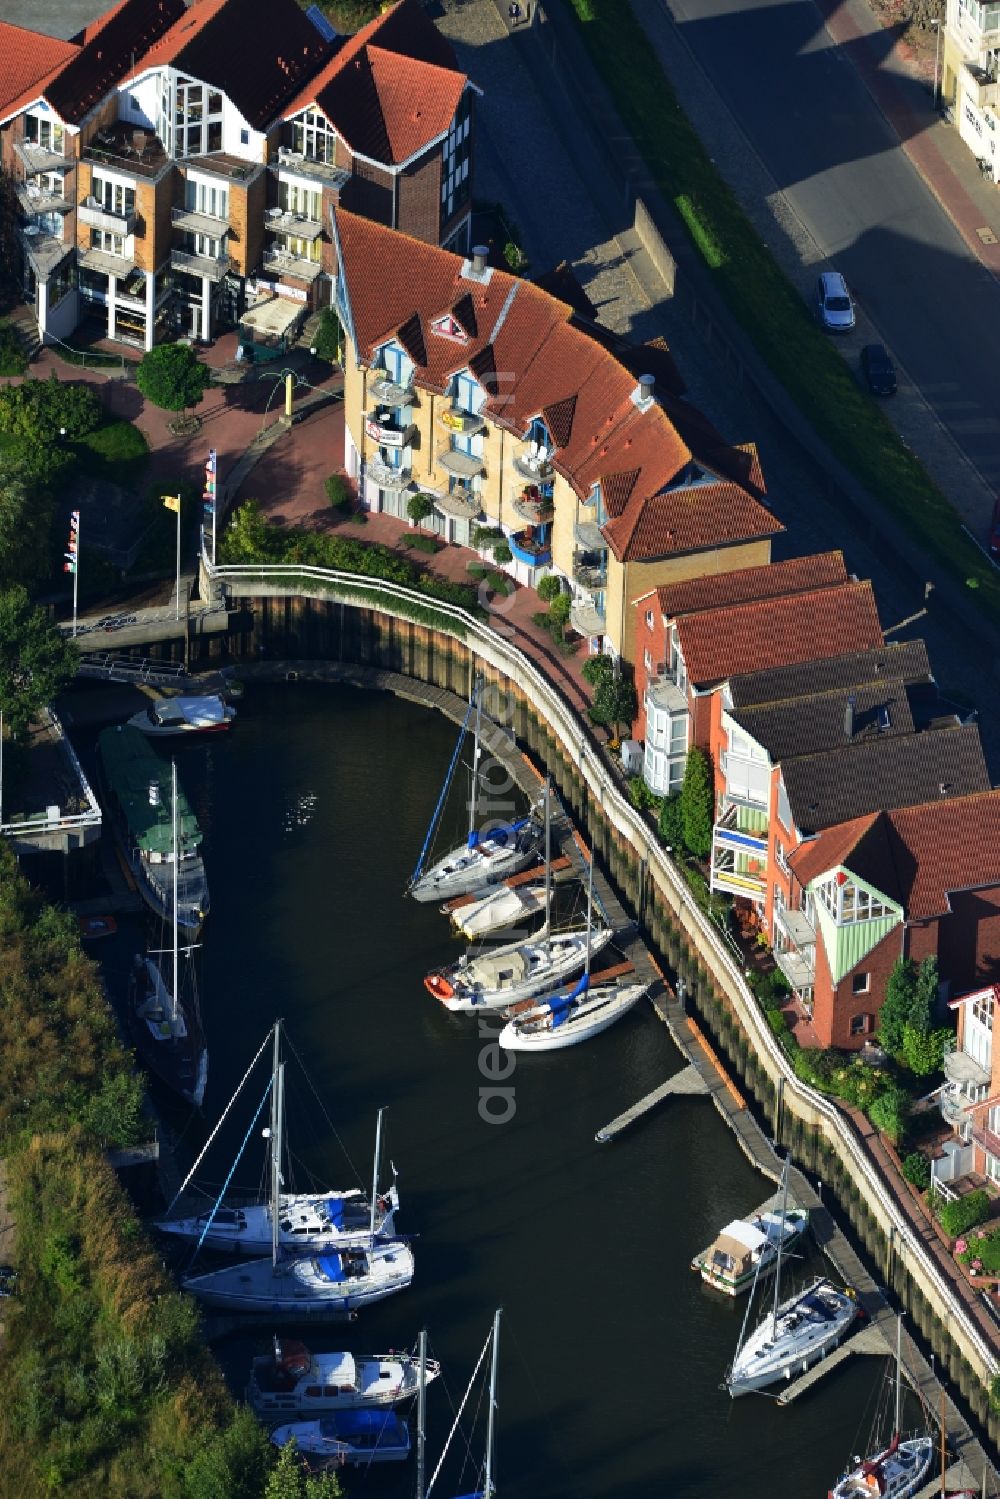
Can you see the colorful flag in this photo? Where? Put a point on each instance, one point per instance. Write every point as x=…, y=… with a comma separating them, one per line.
x=173, y=502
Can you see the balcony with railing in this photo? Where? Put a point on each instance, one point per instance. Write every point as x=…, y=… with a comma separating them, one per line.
x=33, y=199
x=980, y=85
x=532, y=548
x=586, y=616
x=535, y=466
x=385, y=476
x=381, y=426
x=589, y=570
x=37, y=158
x=462, y=465
x=466, y=423
x=134, y=153
x=209, y=267
x=964, y=1070
x=43, y=250
x=194, y=221
x=289, y=163
x=534, y=507
x=797, y=959
x=94, y=213
x=589, y=537
x=104, y=263
x=461, y=502
x=283, y=221
x=739, y=857
x=283, y=263
x=387, y=393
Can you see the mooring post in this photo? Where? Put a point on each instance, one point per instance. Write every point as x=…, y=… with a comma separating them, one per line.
x=778, y=1105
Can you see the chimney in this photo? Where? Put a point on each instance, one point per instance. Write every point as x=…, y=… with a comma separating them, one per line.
x=643, y=395
x=479, y=254
x=849, y=718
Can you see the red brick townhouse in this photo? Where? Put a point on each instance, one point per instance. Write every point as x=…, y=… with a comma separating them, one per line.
x=176, y=165
x=916, y=881
x=499, y=401
x=691, y=635
x=970, y=1098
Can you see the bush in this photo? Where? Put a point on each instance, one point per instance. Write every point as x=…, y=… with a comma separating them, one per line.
x=38, y=409
x=956, y=1218
x=778, y=1022
x=420, y=542
x=499, y=582
x=117, y=451
x=339, y=494
x=597, y=669
x=888, y=1112
x=642, y=797
x=502, y=553
x=917, y=1170
x=981, y=1253
x=172, y=377
x=329, y=338
x=671, y=822
x=549, y=588
x=13, y=360
x=485, y=536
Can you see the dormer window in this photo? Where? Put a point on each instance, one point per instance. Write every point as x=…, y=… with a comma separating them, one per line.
x=314, y=136
x=449, y=327
x=848, y=902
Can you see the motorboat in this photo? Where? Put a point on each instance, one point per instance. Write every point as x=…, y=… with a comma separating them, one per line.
x=291, y=1381
x=747, y=1247
x=170, y=716
x=349, y=1437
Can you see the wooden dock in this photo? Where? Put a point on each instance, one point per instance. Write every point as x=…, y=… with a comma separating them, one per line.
x=866, y=1340
x=688, y=1082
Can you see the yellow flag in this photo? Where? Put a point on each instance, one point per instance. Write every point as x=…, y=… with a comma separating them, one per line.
x=172, y=502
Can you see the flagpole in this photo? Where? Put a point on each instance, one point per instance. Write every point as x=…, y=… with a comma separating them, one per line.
x=76, y=573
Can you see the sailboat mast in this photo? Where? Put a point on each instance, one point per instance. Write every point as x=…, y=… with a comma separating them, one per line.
x=489, y=1487
x=944, y=1448
x=474, y=798
x=781, y=1240
x=378, y=1155
x=548, y=852
x=176, y=852
x=277, y=1119
x=899, y=1369
x=422, y=1413
x=590, y=911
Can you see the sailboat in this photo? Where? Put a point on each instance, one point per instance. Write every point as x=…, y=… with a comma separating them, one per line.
x=502, y=907
x=290, y=1381
x=488, y=1488
x=897, y=1471
x=519, y=970
x=797, y=1333
x=331, y=1285
x=308, y=1222
x=355, y=1437
x=165, y=1027
x=484, y=858
x=570, y=1015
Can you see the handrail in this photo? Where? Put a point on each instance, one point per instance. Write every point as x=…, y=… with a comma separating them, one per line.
x=577, y=741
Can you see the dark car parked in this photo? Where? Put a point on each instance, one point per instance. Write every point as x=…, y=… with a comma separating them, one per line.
x=878, y=370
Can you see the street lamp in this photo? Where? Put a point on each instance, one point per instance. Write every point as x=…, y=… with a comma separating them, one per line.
x=937, y=61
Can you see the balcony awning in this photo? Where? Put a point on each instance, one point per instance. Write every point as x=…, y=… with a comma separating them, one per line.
x=272, y=318
x=797, y=927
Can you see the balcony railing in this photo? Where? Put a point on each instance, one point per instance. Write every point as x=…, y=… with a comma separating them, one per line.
x=387, y=393
x=462, y=465
x=41, y=200
x=210, y=267
x=465, y=422
x=529, y=550
x=43, y=250
x=587, y=618
x=980, y=85
x=954, y=1106
x=739, y=862
x=588, y=536
x=798, y=968
x=386, y=477
x=962, y=1069
x=280, y=263
x=461, y=502
x=588, y=574
x=193, y=221
x=38, y=158
x=297, y=164
x=537, y=509
x=297, y=224
x=533, y=467
x=380, y=427
x=97, y=216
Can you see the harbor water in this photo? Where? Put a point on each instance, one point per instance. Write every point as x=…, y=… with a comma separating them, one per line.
x=612, y=1353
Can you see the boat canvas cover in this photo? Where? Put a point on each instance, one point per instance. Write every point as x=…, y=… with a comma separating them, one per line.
x=745, y=1235
x=386, y=1425
x=562, y=1007
x=332, y=1266
x=131, y=767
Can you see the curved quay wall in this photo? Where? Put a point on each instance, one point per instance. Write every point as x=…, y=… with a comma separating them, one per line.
x=311, y=614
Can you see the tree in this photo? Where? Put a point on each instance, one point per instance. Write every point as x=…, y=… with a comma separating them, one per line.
x=25, y=524
x=419, y=507
x=923, y=1051
x=172, y=376
x=288, y=1479
x=894, y=1015
x=672, y=822
x=559, y=610
x=888, y=1112
x=597, y=668
x=36, y=661
x=698, y=802
x=925, y=994
x=614, y=701
x=502, y=553
x=548, y=588
x=328, y=342
x=248, y=537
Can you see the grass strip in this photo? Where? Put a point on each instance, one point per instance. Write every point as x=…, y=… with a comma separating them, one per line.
x=765, y=302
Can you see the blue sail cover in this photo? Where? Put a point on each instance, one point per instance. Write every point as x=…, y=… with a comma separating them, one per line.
x=562, y=1008
x=473, y=838
x=388, y=1427
x=335, y=1211
x=332, y=1266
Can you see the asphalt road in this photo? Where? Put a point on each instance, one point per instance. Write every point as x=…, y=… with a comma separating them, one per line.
x=821, y=137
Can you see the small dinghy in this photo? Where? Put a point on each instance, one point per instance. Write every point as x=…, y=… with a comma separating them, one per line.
x=354, y=1437
x=290, y=1381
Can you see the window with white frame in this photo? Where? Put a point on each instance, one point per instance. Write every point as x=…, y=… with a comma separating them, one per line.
x=44, y=132
x=860, y=983
x=197, y=119
x=108, y=243
x=848, y=902
x=314, y=136
x=117, y=198
x=296, y=197
x=647, y=659
x=780, y=857
x=456, y=154
x=649, y=619
x=210, y=198
x=977, y=1031
x=397, y=364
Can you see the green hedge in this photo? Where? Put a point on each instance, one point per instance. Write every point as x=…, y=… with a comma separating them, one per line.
x=964, y=1213
x=765, y=302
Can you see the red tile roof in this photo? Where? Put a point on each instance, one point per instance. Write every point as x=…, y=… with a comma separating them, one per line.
x=391, y=89
x=257, y=52
x=26, y=58
x=78, y=82
x=717, y=643
x=773, y=579
x=533, y=357
x=916, y=856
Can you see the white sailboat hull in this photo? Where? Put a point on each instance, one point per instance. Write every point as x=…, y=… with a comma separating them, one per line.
x=593, y=1013
x=520, y=971
x=501, y=908
x=465, y=870
x=324, y=1449
x=809, y=1325
x=903, y=1472
x=311, y=1219
x=301, y=1288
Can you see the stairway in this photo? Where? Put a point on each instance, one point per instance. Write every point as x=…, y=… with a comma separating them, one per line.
x=23, y=319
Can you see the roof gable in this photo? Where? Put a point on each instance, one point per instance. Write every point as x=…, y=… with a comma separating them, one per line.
x=904, y=661
x=26, y=59
x=770, y=580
